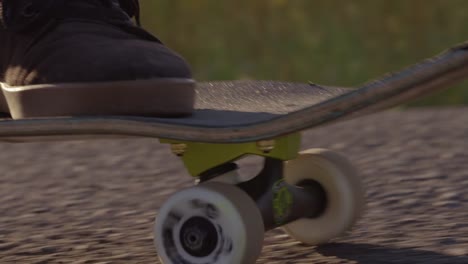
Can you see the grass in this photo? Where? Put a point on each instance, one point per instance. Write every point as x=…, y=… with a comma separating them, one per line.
x=332, y=42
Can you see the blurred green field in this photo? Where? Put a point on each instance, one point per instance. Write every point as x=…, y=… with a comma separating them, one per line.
x=334, y=42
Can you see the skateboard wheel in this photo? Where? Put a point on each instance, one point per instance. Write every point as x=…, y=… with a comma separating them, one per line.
x=210, y=223
x=344, y=195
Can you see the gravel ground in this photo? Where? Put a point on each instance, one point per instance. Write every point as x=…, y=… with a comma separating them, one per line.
x=95, y=201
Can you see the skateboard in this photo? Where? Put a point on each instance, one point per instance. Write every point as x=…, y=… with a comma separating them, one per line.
x=314, y=195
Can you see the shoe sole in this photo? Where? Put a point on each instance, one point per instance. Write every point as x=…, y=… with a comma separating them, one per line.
x=153, y=97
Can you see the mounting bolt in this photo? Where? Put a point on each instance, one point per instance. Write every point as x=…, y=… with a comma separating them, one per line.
x=266, y=145
x=179, y=149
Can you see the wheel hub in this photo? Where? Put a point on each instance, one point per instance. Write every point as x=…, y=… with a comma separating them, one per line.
x=316, y=188
x=199, y=237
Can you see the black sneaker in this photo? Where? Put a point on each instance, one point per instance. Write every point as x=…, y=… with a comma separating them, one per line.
x=87, y=57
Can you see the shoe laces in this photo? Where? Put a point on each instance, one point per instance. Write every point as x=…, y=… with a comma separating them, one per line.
x=132, y=8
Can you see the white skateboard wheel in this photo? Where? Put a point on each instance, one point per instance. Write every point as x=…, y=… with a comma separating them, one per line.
x=344, y=191
x=207, y=224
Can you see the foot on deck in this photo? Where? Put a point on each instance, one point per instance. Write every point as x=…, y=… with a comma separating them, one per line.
x=87, y=57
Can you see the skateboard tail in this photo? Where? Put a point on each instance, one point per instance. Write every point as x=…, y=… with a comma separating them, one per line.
x=429, y=76
x=413, y=82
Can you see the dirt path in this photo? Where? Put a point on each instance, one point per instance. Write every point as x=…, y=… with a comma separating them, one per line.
x=94, y=201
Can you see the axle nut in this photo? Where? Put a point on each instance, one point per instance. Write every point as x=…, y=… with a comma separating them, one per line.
x=266, y=145
x=179, y=149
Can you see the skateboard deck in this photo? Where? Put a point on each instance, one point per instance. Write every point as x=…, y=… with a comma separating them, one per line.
x=247, y=111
